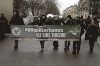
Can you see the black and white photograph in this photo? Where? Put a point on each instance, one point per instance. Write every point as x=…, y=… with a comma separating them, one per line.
x=49, y=32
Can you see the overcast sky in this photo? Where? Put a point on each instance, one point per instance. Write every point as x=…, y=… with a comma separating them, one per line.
x=66, y=3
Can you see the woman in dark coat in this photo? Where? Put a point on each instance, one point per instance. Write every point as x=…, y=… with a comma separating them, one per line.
x=92, y=33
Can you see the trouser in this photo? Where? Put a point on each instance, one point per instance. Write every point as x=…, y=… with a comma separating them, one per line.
x=76, y=47
x=91, y=44
x=42, y=44
x=55, y=44
x=2, y=34
x=86, y=37
x=16, y=45
x=67, y=44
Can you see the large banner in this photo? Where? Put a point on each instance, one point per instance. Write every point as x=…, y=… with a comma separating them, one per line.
x=46, y=32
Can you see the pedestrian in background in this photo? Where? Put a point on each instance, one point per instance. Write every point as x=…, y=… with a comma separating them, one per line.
x=3, y=25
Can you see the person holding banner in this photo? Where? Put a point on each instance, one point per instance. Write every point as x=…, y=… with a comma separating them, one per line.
x=16, y=20
x=77, y=44
x=69, y=21
x=42, y=22
x=56, y=22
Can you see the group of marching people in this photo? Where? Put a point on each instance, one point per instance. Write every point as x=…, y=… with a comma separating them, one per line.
x=89, y=27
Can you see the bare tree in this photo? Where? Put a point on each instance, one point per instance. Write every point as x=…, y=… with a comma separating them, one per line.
x=38, y=7
x=52, y=7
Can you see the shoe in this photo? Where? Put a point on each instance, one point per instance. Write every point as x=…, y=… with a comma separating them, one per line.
x=42, y=51
x=55, y=48
x=74, y=53
x=68, y=49
x=15, y=48
x=77, y=52
x=91, y=52
x=65, y=51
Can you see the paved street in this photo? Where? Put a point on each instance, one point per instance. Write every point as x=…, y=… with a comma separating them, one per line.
x=29, y=54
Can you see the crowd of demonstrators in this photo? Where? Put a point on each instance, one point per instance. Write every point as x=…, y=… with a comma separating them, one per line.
x=43, y=20
x=85, y=28
x=89, y=27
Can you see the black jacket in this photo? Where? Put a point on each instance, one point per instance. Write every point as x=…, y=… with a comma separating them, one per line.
x=92, y=32
x=16, y=20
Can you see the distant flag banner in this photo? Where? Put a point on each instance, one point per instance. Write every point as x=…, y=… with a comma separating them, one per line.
x=46, y=32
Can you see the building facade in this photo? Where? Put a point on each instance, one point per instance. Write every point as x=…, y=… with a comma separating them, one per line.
x=88, y=7
x=83, y=7
x=94, y=6
x=6, y=7
x=73, y=11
